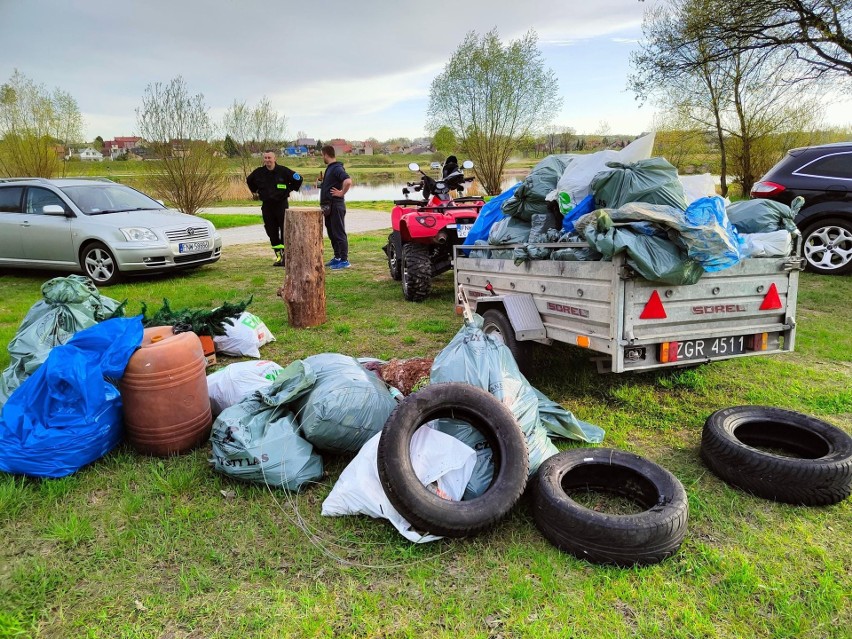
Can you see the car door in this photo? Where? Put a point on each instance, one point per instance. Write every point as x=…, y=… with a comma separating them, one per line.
x=46, y=238
x=10, y=223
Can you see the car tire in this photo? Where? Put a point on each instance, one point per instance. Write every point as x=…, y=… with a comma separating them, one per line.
x=394, y=253
x=425, y=510
x=827, y=246
x=99, y=264
x=819, y=473
x=416, y=272
x=623, y=540
x=497, y=325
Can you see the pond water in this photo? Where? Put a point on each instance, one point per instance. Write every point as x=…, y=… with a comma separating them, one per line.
x=384, y=190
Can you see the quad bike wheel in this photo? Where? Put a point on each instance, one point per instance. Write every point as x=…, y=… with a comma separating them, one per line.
x=416, y=272
x=394, y=253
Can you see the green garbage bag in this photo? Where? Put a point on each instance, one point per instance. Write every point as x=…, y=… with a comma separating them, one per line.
x=653, y=181
x=529, y=197
x=69, y=305
x=561, y=422
x=763, y=216
x=257, y=440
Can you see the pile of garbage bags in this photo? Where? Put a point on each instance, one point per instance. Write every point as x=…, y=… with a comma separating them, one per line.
x=672, y=228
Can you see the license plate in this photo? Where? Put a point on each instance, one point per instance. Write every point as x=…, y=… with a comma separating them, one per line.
x=193, y=247
x=714, y=347
x=463, y=229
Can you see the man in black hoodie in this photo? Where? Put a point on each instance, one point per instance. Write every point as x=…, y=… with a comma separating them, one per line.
x=335, y=183
x=273, y=182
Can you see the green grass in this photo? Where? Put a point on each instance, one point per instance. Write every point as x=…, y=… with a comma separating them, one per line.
x=132, y=546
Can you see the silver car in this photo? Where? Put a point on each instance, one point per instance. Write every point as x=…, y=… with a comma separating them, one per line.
x=98, y=227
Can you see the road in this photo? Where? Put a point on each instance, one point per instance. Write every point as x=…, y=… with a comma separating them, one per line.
x=357, y=221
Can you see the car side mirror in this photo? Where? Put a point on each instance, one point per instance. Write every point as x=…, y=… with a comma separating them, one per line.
x=53, y=209
x=467, y=164
x=414, y=167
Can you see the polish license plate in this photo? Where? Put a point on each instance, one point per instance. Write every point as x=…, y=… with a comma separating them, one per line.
x=714, y=347
x=463, y=230
x=193, y=247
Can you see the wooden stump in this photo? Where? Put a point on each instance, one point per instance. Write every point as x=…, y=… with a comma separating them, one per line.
x=304, y=283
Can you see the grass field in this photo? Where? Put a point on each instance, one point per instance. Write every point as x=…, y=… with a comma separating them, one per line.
x=132, y=546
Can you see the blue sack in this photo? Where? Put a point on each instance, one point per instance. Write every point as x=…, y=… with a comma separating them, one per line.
x=488, y=215
x=66, y=415
x=586, y=205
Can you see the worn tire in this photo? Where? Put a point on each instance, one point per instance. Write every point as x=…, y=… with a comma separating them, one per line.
x=827, y=246
x=394, y=254
x=422, y=508
x=99, y=264
x=497, y=324
x=820, y=473
x=416, y=272
x=623, y=540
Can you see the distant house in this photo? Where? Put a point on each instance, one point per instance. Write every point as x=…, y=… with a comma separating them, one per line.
x=419, y=150
x=121, y=145
x=308, y=142
x=87, y=155
x=341, y=146
x=295, y=151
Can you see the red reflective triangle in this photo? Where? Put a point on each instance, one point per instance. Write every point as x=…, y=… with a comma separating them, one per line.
x=772, y=301
x=654, y=308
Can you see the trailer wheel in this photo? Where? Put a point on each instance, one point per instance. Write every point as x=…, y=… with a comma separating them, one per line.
x=497, y=325
x=424, y=509
x=624, y=540
x=416, y=272
x=812, y=468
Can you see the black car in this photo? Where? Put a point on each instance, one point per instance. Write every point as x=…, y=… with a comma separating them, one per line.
x=823, y=176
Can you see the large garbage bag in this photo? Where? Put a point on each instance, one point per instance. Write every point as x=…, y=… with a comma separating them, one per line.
x=653, y=181
x=710, y=237
x=509, y=230
x=763, y=216
x=70, y=304
x=257, y=440
x=478, y=359
x=489, y=215
x=775, y=244
x=346, y=407
x=586, y=253
x=65, y=415
x=696, y=187
x=237, y=381
x=544, y=228
x=586, y=205
x=580, y=169
x=530, y=196
x=654, y=257
x=560, y=422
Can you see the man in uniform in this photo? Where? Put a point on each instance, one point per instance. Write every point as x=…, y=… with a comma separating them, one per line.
x=272, y=183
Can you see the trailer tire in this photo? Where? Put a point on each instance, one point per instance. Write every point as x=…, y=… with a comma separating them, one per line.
x=416, y=272
x=421, y=507
x=497, y=325
x=819, y=474
x=624, y=540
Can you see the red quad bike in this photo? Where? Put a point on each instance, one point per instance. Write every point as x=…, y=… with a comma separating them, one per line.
x=425, y=231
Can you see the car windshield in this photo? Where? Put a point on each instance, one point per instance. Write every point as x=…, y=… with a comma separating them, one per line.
x=97, y=199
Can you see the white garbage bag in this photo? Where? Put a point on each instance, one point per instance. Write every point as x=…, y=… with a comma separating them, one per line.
x=244, y=337
x=774, y=244
x=696, y=187
x=234, y=383
x=441, y=462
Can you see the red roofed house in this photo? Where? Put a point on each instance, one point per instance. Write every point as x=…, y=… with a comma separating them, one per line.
x=340, y=146
x=120, y=146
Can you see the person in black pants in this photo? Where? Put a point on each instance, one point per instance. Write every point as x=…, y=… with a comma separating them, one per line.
x=273, y=183
x=335, y=183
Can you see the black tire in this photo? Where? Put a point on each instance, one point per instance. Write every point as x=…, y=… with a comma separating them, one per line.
x=416, y=272
x=819, y=474
x=394, y=253
x=497, y=325
x=624, y=540
x=421, y=507
x=827, y=246
x=99, y=264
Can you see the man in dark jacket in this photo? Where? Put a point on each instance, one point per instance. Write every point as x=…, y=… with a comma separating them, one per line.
x=335, y=183
x=273, y=183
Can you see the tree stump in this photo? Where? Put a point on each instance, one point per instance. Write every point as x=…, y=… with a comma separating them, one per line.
x=304, y=283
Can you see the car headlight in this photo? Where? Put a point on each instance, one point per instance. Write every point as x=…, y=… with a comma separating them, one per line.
x=139, y=234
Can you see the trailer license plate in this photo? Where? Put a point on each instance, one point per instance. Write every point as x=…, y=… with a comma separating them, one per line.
x=715, y=347
x=463, y=229
x=193, y=247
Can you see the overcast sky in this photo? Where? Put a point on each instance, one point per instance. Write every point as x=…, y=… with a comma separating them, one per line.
x=353, y=69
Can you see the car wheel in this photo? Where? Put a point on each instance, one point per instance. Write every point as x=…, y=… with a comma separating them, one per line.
x=497, y=325
x=642, y=538
x=424, y=509
x=99, y=264
x=394, y=251
x=828, y=246
x=812, y=465
x=416, y=272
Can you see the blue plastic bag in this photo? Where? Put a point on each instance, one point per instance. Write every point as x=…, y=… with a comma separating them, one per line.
x=586, y=205
x=65, y=415
x=488, y=215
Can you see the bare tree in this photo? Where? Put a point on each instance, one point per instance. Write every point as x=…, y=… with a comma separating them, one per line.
x=177, y=126
x=254, y=129
x=491, y=96
x=33, y=122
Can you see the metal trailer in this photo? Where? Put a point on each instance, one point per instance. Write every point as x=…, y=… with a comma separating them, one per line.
x=632, y=323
